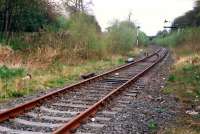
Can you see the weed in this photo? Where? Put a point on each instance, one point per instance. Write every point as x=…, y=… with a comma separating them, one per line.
x=172, y=78
x=152, y=125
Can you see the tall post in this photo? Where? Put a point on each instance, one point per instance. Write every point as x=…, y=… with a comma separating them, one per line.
x=137, y=37
x=137, y=42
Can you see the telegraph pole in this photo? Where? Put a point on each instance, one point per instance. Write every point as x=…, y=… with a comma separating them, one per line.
x=129, y=16
x=138, y=27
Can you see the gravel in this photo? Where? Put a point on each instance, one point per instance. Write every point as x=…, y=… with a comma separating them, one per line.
x=151, y=111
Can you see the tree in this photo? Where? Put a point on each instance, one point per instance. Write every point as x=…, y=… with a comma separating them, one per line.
x=76, y=6
x=190, y=19
x=25, y=15
x=122, y=36
x=73, y=6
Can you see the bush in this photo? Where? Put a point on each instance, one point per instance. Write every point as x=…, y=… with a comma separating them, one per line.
x=85, y=38
x=122, y=37
x=143, y=39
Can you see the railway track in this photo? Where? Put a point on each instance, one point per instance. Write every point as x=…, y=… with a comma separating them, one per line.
x=83, y=107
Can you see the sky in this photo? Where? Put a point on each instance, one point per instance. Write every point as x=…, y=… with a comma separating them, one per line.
x=148, y=14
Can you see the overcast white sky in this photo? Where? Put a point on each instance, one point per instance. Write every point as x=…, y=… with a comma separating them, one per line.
x=149, y=14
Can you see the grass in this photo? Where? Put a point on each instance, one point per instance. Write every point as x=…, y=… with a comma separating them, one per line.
x=184, y=80
x=55, y=75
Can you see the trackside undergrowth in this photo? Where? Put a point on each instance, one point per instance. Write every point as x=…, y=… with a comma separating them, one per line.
x=184, y=80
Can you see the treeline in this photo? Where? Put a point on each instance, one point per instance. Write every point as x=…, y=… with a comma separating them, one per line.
x=190, y=19
x=25, y=15
x=185, y=32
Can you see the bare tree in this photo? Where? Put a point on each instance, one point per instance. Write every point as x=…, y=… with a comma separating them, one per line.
x=75, y=6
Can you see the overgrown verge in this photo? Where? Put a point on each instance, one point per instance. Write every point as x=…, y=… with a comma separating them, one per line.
x=184, y=80
x=15, y=83
x=42, y=48
x=60, y=53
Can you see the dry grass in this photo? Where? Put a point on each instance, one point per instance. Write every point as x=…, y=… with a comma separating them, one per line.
x=50, y=69
x=50, y=73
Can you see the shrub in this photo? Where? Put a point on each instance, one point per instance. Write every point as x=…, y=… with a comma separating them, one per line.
x=85, y=38
x=121, y=37
x=143, y=39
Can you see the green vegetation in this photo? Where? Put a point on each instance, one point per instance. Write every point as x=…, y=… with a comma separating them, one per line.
x=7, y=75
x=152, y=125
x=56, y=49
x=25, y=16
x=177, y=38
x=51, y=77
x=184, y=80
x=122, y=37
x=190, y=19
x=143, y=39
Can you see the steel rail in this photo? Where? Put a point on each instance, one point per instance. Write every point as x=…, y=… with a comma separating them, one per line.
x=83, y=116
x=14, y=112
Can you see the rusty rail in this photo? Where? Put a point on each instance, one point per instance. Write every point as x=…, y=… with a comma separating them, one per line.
x=14, y=112
x=76, y=121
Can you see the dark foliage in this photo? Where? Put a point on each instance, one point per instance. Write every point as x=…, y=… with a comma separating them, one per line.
x=25, y=15
x=190, y=19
